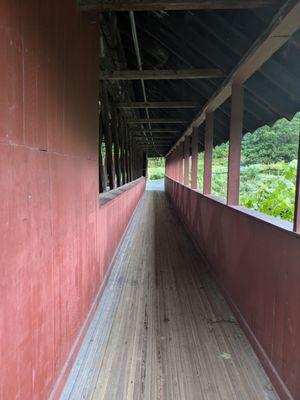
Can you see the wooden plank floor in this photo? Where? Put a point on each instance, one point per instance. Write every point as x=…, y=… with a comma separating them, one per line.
x=162, y=329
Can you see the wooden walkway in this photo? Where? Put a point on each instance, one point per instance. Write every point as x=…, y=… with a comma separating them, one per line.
x=162, y=330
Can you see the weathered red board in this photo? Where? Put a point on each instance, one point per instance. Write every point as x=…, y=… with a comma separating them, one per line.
x=56, y=241
x=257, y=264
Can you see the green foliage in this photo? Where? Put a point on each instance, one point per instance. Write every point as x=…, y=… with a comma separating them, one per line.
x=268, y=169
x=220, y=154
x=156, y=162
x=156, y=168
x=270, y=188
x=270, y=145
x=156, y=173
x=220, y=170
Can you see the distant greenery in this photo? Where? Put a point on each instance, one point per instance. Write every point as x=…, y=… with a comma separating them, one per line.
x=268, y=169
x=270, y=188
x=156, y=168
x=271, y=145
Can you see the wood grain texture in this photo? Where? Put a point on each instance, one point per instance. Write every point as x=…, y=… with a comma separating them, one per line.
x=162, y=329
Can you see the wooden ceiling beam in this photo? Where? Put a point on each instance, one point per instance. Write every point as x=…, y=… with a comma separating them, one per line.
x=169, y=143
x=160, y=104
x=154, y=130
x=156, y=121
x=126, y=75
x=167, y=146
x=156, y=5
x=156, y=143
x=153, y=147
x=156, y=136
x=284, y=24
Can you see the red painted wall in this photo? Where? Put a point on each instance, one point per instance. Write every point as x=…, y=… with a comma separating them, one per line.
x=56, y=241
x=257, y=264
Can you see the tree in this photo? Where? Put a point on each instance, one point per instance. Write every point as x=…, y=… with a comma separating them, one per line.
x=272, y=144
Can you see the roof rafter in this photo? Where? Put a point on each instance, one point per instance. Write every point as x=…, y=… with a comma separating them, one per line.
x=203, y=73
x=160, y=104
x=285, y=23
x=155, y=5
x=154, y=130
x=156, y=121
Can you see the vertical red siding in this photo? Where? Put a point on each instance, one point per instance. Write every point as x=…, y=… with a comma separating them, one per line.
x=54, y=244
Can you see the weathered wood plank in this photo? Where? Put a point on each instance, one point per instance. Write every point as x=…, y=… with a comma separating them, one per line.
x=162, y=329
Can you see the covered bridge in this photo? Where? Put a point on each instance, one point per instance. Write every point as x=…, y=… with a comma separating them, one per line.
x=109, y=291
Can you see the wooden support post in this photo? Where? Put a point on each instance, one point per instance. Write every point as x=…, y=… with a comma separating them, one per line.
x=125, y=153
x=136, y=169
x=127, y=156
x=176, y=164
x=108, y=138
x=115, y=134
x=122, y=150
x=186, y=161
x=130, y=156
x=181, y=149
x=208, y=147
x=235, y=140
x=102, y=176
x=145, y=165
x=297, y=197
x=194, y=183
x=179, y=164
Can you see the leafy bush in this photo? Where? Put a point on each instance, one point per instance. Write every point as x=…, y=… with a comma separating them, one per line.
x=270, y=189
x=156, y=173
x=156, y=168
